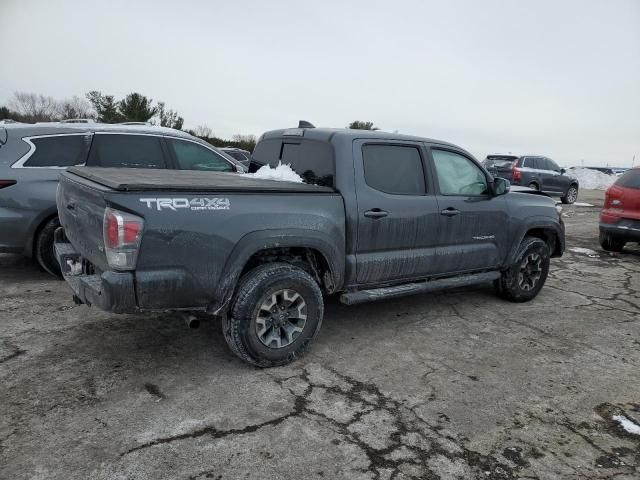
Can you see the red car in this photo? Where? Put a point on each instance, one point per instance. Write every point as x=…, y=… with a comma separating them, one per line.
x=620, y=216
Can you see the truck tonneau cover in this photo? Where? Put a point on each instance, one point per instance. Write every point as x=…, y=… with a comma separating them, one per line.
x=141, y=179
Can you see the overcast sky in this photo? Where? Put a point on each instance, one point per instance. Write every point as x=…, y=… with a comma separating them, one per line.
x=557, y=77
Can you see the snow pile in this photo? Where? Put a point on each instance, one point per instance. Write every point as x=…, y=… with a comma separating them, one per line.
x=581, y=204
x=592, y=179
x=627, y=424
x=283, y=173
x=585, y=251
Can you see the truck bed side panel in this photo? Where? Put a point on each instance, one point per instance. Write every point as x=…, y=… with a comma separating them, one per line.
x=199, y=245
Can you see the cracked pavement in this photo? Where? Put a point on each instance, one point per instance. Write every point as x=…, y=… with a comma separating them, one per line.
x=449, y=385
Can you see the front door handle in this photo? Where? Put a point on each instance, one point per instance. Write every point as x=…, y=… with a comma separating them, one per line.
x=450, y=212
x=375, y=213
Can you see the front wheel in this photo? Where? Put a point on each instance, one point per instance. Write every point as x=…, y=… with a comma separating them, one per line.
x=524, y=279
x=571, y=196
x=276, y=313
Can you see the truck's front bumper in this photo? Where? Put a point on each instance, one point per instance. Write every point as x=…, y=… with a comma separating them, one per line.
x=109, y=291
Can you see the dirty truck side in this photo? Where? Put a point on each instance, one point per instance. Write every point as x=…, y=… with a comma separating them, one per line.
x=378, y=216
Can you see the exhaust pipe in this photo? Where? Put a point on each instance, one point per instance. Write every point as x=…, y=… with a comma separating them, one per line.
x=191, y=320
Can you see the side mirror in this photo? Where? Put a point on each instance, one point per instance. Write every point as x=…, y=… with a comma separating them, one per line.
x=500, y=186
x=563, y=171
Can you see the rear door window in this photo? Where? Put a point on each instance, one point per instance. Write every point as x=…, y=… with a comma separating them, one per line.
x=631, y=179
x=395, y=169
x=131, y=151
x=192, y=156
x=58, y=151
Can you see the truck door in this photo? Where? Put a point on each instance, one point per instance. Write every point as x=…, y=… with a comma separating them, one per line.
x=474, y=224
x=397, y=212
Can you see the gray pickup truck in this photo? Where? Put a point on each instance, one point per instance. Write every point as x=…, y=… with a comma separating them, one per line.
x=379, y=215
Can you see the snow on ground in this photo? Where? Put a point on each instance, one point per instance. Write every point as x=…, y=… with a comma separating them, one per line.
x=592, y=179
x=582, y=204
x=282, y=172
x=584, y=251
x=627, y=424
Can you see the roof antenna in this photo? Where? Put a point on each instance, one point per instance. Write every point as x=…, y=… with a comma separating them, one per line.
x=305, y=124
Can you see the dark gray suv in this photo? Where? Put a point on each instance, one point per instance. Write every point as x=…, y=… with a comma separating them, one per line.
x=534, y=171
x=33, y=155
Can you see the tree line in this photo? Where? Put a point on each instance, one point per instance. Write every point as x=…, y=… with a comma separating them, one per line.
x=27, y=107
x=30, y=107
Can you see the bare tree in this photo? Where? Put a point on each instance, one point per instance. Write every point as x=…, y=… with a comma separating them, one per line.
x=246, y=142
x=33, y=107
x=203, y=131
x=75, y=107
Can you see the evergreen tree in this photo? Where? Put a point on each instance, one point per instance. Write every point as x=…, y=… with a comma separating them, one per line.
x=359, y=125
x=169, y=118
x=105, y=106
x=135, y=107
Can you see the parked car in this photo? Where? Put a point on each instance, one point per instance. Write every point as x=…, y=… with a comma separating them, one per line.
x=534, y=171
x=33, y=155
x=382, y=215
x=242, y=156
x=620, y=216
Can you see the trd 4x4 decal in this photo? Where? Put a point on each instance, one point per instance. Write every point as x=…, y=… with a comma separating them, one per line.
x=174, y=204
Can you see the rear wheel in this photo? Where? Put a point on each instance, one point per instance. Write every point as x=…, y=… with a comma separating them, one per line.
x=534, y=185
x=610, y=243
x=43, y=248
x=276, y=313
x=571, y=196
x=524, y=279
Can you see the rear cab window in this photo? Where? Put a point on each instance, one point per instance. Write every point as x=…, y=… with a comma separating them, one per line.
x=313, y=160
x=130, y=151
x=58, y=151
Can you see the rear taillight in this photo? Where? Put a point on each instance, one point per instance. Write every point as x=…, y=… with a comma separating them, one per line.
x=7, y=183
x=613, y=197
x=122, y=233
x=515, y=173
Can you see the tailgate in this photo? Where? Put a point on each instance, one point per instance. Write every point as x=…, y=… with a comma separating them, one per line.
x=81, y=206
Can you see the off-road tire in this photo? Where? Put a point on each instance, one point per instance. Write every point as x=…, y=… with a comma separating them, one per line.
x=239, y=325
x=610, y=243
x=509, y=286
x=570, y=196
x=43, y=248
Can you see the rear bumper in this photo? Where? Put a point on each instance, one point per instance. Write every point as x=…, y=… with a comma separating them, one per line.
x=627, y=230
x=109, y=291
x=127, y=292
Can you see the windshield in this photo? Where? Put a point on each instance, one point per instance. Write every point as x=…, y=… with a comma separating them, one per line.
x=499, y=162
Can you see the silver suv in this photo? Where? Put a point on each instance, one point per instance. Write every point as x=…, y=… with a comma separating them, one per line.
x=33, y=155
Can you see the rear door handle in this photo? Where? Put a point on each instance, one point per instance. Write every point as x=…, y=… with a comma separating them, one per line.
x=375, y=213
x=450, y=212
